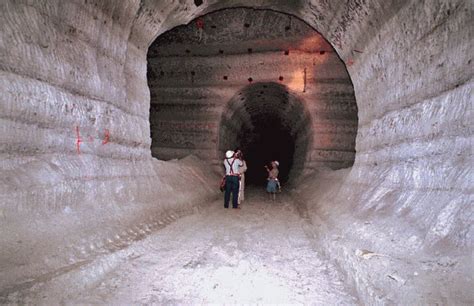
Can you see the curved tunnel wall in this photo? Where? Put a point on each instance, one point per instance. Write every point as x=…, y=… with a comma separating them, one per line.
x=194, y=70
x=67, y=64
x=267, y=122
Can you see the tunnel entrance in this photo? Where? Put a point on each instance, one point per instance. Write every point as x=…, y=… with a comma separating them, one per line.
x=260, y=80
x=267, y=123
x=269, y=140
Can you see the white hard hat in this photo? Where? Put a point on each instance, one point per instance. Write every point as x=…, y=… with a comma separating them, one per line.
x=277, y=163
x=229, y=154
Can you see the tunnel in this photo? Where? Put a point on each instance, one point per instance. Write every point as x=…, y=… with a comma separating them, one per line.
x=115, y=117
x=267, y=123
x=281, y=92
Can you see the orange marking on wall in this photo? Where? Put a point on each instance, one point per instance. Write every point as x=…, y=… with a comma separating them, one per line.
x=78, y=140
x=106, y=137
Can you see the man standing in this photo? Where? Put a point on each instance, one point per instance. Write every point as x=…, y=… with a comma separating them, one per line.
x=239, y=155
x=232, y=172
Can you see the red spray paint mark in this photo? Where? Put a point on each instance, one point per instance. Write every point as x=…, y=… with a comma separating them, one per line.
x=106, y=137
x=199, y=23
x=78, y=140
x=349, y=62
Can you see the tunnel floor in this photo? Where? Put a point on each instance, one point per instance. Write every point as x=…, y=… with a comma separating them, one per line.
x=258, y=254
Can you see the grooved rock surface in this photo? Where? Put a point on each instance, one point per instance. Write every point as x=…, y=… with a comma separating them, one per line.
x=216, y=79
x=75, y=132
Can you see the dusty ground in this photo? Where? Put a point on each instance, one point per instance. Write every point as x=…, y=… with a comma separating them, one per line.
x=259, y=254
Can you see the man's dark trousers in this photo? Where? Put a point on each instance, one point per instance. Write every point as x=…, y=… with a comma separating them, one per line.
x=231, y=186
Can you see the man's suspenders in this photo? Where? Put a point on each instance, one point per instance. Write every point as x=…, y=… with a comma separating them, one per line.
x=230, y=166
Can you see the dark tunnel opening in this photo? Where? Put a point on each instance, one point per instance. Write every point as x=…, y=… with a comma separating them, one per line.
x=269, y=141
x=267, y=123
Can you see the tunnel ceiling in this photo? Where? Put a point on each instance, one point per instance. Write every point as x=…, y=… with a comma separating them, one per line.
x=259, y=102
x=212, y=79
x=235, y=31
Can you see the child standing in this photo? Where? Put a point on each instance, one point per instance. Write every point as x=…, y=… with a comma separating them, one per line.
x=273, y=185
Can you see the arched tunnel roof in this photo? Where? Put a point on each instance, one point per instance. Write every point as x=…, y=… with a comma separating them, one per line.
x=274, y=99
x=271, y=110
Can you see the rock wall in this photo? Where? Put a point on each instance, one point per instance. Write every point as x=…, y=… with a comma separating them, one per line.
x=76, y=170
x=413, y=148
x=195, y=72
x=386, y=258
x=75, y=110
